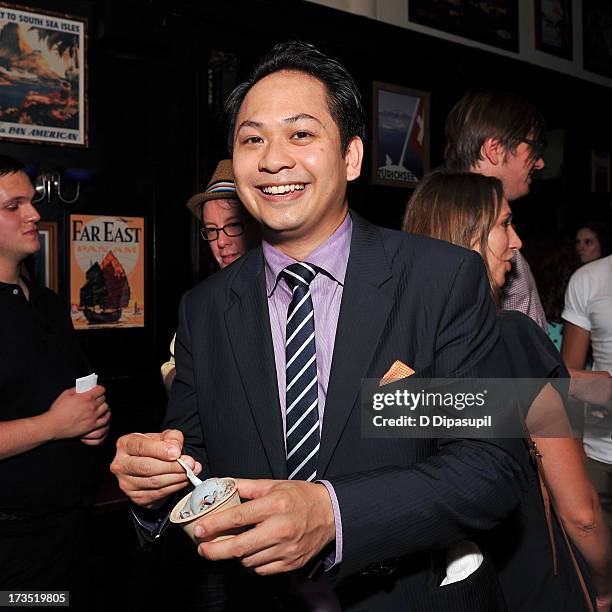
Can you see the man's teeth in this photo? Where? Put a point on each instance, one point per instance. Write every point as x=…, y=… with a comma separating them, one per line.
x=280, y=189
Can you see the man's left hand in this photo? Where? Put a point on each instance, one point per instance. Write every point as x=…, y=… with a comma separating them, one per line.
x=291, y=522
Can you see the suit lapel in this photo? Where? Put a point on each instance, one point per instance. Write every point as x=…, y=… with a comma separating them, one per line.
x=248, y=327
x=367, y=299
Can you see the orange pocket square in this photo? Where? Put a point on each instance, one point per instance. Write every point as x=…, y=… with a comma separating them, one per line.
x=396, y=372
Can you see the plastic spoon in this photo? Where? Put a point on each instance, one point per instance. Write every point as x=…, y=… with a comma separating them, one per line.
x=195, y=481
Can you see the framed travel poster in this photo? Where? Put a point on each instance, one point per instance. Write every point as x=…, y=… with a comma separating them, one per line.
x=107, y=271
x=400, y=135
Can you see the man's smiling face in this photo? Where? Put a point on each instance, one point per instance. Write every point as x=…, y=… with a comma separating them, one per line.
x=290, y=170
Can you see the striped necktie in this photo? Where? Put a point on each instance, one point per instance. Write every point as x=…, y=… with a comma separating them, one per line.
x=301, y=376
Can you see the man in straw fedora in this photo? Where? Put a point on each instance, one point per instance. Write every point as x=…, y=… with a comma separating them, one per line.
x=227, y=227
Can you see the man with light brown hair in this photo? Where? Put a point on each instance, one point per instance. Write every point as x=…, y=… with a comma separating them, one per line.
x=501, y=135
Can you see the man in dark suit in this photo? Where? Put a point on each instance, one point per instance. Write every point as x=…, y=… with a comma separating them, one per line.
x=327, y=301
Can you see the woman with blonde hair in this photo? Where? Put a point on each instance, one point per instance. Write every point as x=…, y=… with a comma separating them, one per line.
x=538, y=567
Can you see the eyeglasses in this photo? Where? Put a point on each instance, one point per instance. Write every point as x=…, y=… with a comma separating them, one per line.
x=537, y=147
x=232, y=230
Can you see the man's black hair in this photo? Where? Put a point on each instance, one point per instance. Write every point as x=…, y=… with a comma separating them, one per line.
x=10, y=165
x=343, y=96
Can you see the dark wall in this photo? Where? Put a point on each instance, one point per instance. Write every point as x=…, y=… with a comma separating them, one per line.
x=156, y=134
x=376, y=51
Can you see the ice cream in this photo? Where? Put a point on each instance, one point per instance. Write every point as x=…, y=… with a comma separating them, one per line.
x=205, y=495
x=212, y=495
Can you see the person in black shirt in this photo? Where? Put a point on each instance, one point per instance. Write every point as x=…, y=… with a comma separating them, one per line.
x=45, y=426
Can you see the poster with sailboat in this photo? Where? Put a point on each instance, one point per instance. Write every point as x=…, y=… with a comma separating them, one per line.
x=400, y=135
x=42, y=76
x=107, y=288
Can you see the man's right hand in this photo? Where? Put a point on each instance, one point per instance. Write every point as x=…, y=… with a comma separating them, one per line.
x=75, y=414
x=145, y=466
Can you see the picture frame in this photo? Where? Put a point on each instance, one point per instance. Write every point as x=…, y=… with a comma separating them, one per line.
x=600, y=172
x=46, y=260
x=43, y=77
x=597, y=50
x=495, y=24
x=400, y=135
x=553, y=27
x=107, y=271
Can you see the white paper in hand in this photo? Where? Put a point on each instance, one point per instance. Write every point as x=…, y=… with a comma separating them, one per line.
x=86, y=383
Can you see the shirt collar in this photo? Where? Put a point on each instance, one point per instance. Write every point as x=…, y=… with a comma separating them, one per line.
x=33, y=289
x=331, y=257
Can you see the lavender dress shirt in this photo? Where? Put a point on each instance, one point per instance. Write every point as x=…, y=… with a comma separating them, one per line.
x=331, y=258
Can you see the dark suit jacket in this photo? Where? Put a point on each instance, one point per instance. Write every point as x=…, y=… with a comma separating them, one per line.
x=405, y=297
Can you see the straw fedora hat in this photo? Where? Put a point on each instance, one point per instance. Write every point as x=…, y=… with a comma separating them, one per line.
x=220, y=187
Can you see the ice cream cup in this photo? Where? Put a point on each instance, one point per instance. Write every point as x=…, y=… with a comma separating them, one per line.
x=189, y=523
